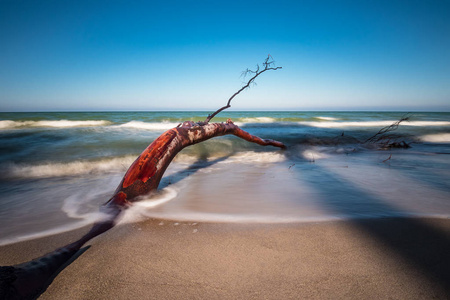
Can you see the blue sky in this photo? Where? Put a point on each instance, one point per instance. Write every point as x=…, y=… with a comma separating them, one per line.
x=166, y=55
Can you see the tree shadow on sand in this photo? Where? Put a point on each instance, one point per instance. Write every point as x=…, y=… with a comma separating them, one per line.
x=423, y=246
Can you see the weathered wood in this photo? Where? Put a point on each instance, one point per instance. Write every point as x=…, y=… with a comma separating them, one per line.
x=147, y=170
x=27, y=280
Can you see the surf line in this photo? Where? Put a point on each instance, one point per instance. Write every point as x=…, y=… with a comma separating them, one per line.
x=30, y=279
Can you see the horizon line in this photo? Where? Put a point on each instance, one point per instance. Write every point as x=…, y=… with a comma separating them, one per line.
x=356, y=109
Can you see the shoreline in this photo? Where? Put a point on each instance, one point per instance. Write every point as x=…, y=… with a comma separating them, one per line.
x=400, y=258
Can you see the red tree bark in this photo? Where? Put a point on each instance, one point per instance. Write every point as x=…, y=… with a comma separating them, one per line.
x=27, y=280
x=143, y=177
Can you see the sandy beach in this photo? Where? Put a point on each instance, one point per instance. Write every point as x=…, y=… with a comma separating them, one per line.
x=160, y=259
x=224, y=150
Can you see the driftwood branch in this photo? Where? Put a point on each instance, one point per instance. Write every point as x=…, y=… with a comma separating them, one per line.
x=269, y=64
x=382, y=133
x=28, y=280
x=384, y=139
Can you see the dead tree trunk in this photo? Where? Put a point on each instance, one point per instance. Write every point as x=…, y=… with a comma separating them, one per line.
x=146, y=172
x=28, y=280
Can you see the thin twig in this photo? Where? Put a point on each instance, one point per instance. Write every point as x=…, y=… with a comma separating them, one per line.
x=390, y=156
x=268, y=65
x=381, y=134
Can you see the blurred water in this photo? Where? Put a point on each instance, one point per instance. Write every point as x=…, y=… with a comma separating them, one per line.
x=58, y=168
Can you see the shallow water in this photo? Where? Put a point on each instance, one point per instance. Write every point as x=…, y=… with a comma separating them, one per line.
x=58, y=168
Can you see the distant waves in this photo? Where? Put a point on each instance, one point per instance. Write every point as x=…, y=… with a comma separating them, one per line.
x=322, y=122
x=149, y=125
x=9, y=124
x=379, y=124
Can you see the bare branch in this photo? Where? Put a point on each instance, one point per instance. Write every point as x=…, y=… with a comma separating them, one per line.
x=28, y=280
x=381, y=134
x=268, y=64
x=390, y=156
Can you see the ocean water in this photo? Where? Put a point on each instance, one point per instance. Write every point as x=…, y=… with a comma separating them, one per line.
x=58, y=168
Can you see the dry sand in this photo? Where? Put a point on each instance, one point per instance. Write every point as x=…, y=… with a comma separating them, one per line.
x=160, y=259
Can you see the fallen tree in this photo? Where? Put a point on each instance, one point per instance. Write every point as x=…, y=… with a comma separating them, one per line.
x=30, y=279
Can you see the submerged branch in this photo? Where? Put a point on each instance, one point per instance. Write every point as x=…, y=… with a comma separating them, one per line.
x=386, y=140
x=381, y=134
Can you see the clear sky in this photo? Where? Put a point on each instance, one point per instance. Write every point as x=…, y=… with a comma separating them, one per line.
x=167, y=55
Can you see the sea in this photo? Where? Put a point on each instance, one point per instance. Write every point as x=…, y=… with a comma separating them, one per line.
x=58, y=168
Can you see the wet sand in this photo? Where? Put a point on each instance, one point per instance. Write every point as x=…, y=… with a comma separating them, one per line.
x=160, y=259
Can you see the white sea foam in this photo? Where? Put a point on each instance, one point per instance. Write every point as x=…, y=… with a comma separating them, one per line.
x=149, y=126
x=141, y=208
x=118, y=164
x=436, y=138
x=257, y=120
x=8, y=124
x=189, y=216
x=312, y=155
x=426, y=123
x=49, y=232
x=115, y=164
x=83, y=220
x=252, y=157
x=74, y=203
x=372, y=124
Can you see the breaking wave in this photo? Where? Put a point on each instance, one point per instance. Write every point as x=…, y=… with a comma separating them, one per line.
x=119, y=164
x=8, y=124
x=372, y=124
x=149, y=126
x=257, y=120
x=436, y=138
x=116, y=164
x=322, y=122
